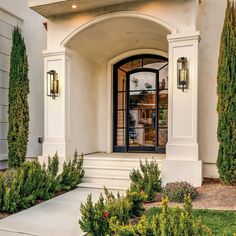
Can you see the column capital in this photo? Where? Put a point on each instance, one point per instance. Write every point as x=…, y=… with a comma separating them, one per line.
x=186, y=36
x=57, y=52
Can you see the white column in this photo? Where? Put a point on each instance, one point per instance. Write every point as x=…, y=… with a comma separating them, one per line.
x=57, y=111
x=182, y=161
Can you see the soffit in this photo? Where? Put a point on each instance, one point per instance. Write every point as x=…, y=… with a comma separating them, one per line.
x=51, y=8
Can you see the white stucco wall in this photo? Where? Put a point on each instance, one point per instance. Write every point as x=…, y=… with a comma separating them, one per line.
x=111, y=35
x=17, y=12
x=96, y=47
x=83, y=106
x=210, y=23
x=180, y=14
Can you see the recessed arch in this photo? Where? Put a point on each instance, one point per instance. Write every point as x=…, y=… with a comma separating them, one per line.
x=113, y=15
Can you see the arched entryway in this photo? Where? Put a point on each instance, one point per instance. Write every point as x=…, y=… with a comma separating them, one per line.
x=140, y=104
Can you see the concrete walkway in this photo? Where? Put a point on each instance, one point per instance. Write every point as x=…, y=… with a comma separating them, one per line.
x=56, y=217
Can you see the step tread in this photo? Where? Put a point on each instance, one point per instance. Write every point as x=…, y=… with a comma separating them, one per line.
x=123, y=159
x=108, y=167
x=98, y=186
x=106, y=177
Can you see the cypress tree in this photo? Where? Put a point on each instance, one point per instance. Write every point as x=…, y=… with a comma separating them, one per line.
x=226, y=90
x=18, y=110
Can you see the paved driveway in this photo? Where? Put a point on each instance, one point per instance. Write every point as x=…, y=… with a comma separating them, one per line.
x=56, y=217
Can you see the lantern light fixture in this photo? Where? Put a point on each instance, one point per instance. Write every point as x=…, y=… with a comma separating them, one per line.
x=182, y=73
x=52, y=84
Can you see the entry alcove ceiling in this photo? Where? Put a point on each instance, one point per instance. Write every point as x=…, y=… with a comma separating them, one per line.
x=107, y=39
x=50, y=8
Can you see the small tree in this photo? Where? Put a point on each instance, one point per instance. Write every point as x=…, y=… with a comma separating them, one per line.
x=226, y=90
x=18, y=110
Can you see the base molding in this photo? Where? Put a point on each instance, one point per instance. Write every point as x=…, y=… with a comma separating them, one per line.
x=181, y=170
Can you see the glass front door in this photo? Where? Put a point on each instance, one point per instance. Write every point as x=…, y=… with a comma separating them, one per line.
x=140, y=105
x=142, y=101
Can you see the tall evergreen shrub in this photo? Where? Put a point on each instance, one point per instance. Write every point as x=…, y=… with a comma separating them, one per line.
x=226, y=90
x=18, y=110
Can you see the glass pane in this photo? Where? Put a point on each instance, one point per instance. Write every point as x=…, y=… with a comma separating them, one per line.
x=120, y=137
x=142, y=100
x=142, y=81
x=142, y=118
x=163, y=100
x=121, y=81
x=162, y=137
x=163, y=118
x=154, y=63
x=131, y=65
x=142, y=137
x=121, y=100
x=163, y=78
x=121, y=119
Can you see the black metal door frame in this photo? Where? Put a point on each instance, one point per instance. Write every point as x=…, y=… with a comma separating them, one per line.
x=126, y=148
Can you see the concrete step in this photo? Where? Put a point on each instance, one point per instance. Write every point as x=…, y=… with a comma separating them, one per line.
x=122, y=182
x=107, y=170
x=97, y=186
x=115, y=161
x=112, y=170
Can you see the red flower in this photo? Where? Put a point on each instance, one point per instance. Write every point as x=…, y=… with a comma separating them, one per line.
x=105, y=214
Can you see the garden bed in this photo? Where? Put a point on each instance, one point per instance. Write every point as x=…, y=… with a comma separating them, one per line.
x=212, y=195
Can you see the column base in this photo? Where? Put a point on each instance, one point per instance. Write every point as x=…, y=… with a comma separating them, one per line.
x=181, y=170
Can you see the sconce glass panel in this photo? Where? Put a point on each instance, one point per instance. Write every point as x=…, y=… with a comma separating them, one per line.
x=182, y=73
x=52, y=84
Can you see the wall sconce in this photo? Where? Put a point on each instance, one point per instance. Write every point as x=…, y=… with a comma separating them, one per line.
x=52, y=84
x=182, y=73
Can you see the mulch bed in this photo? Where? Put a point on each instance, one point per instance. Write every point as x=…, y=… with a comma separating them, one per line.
x=212, y=195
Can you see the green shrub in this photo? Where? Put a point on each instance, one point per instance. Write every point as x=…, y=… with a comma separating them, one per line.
x=119, y=206
x=53, y=165
x=170, y=222
x=18, y=109
x=147, y=180
x=2, y=180
x=177, y=190
x=21, y=187
x=226, y=107
x=137, y=200
x=36, y=181
x=12, y=190
x=95, y=217
x=52, y=171
x=72, y=173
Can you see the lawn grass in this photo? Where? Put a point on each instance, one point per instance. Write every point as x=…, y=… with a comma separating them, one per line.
x=222, y=223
